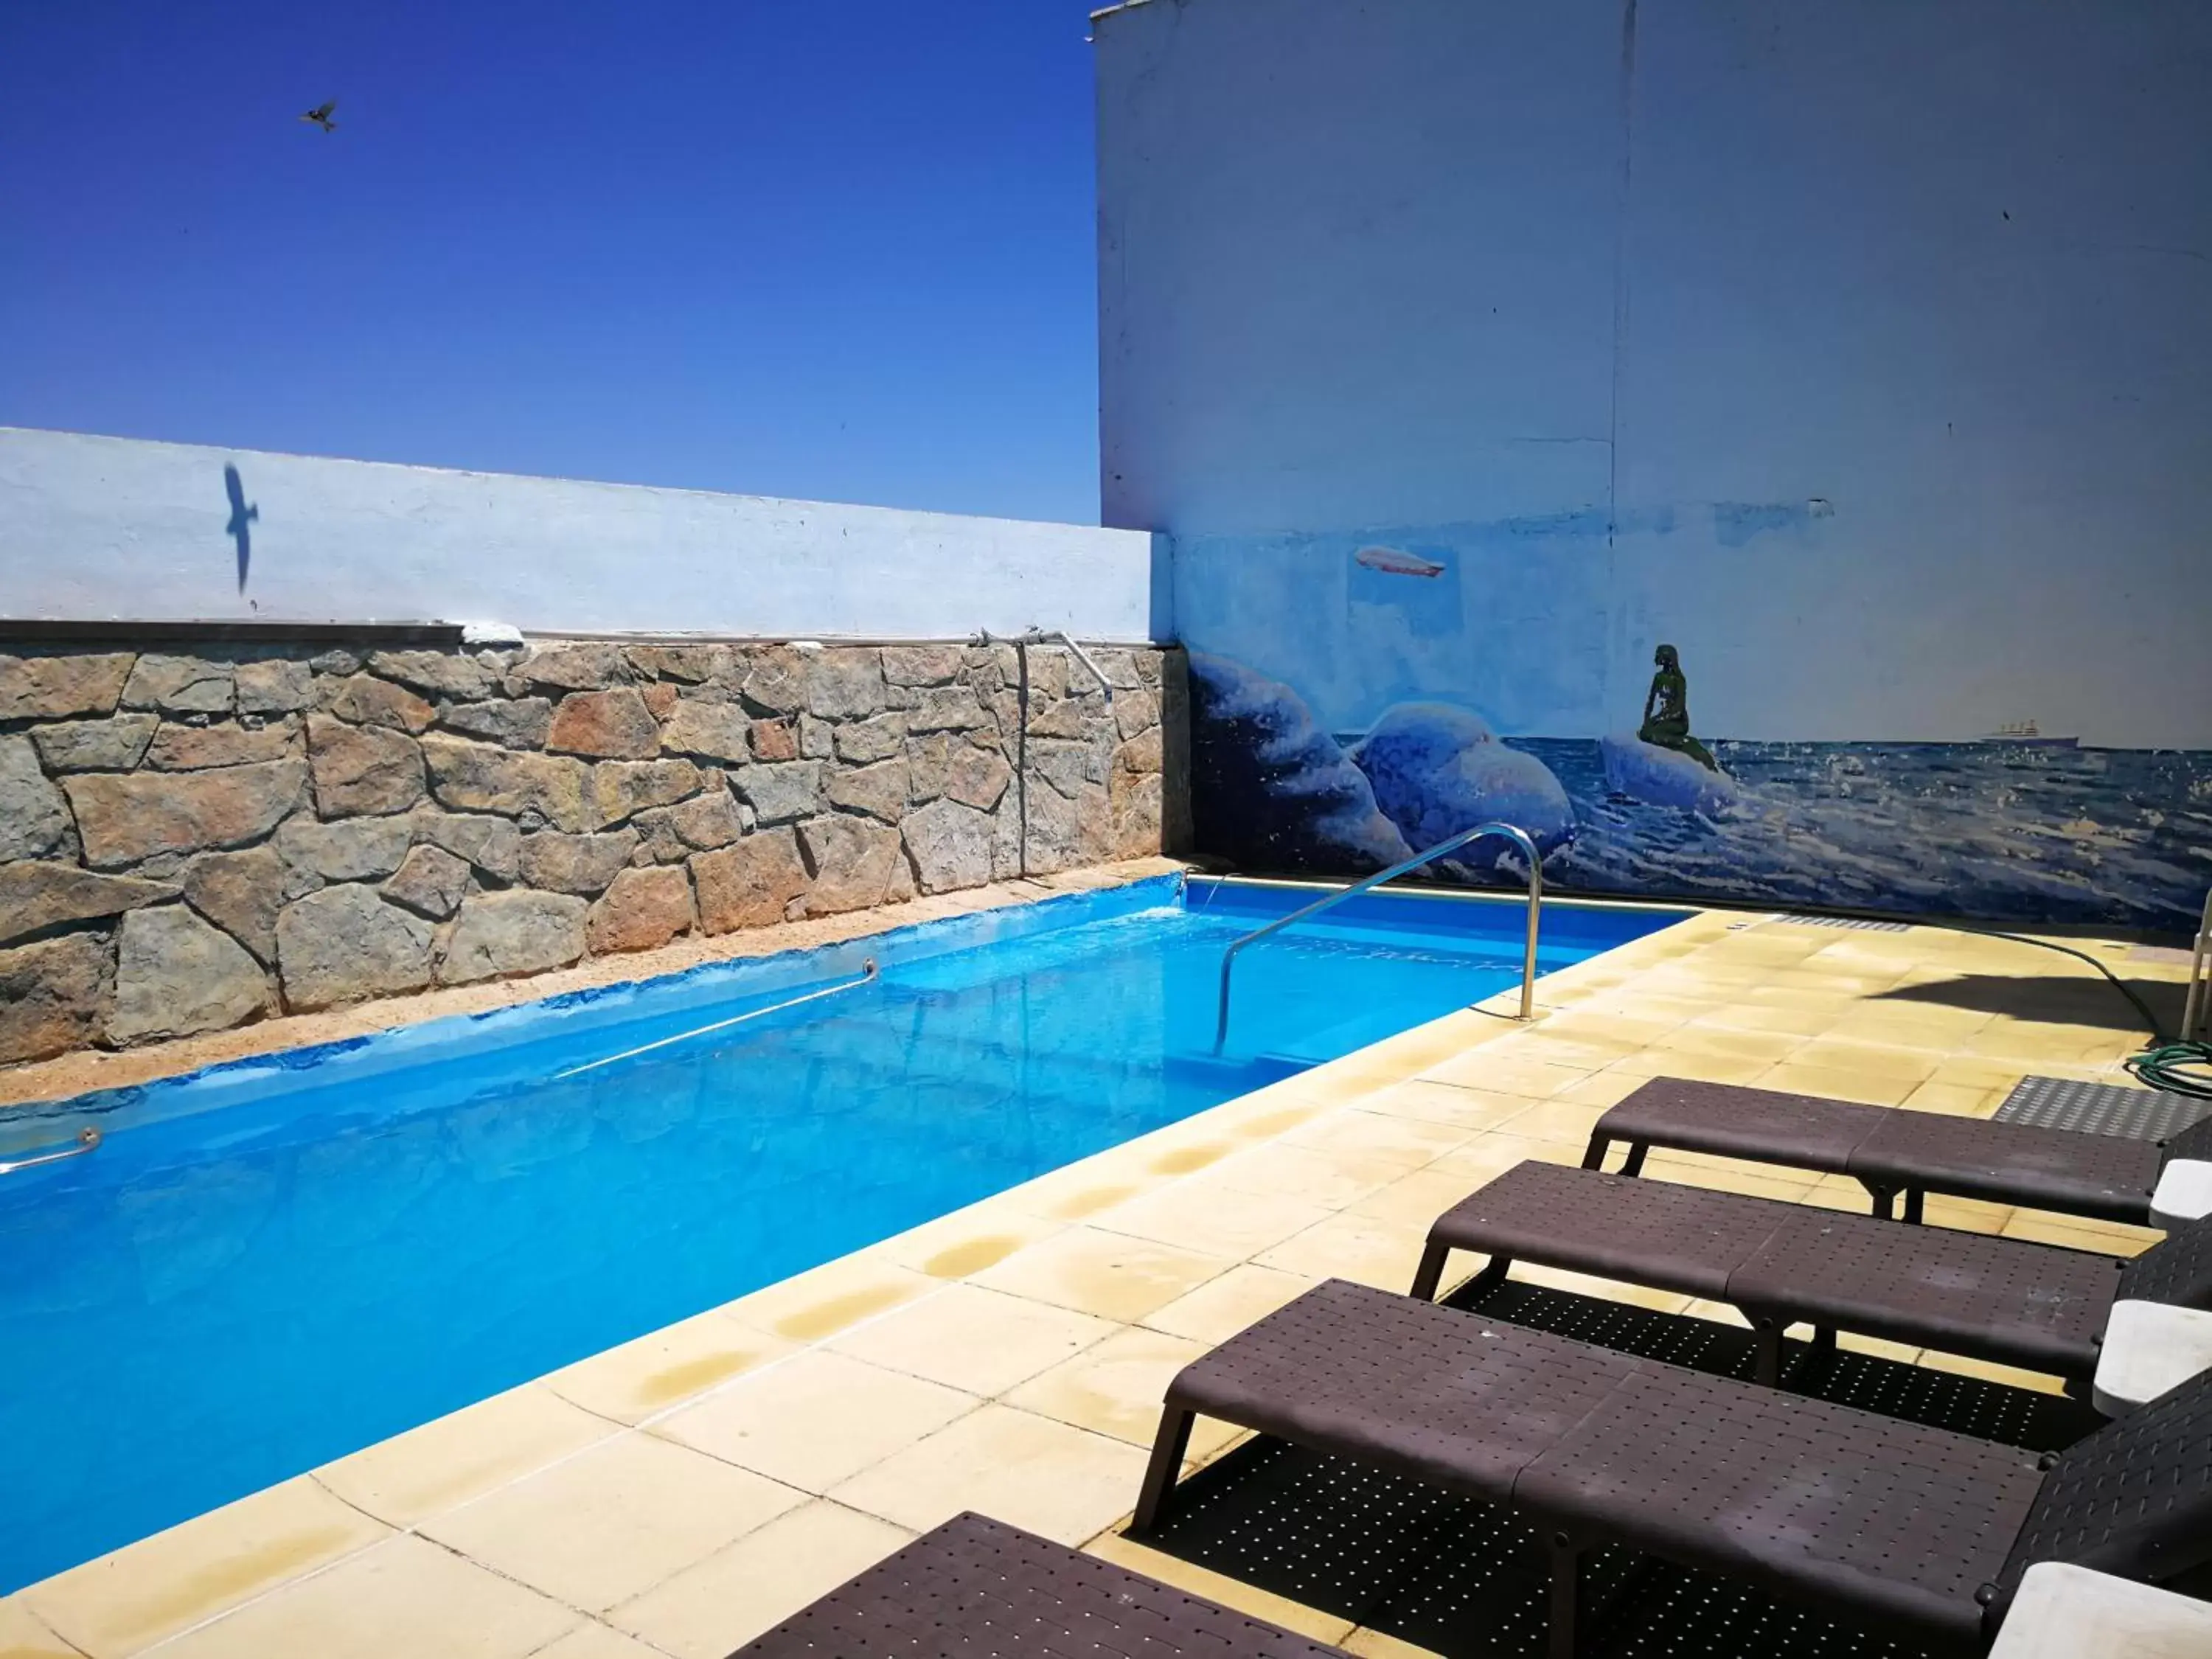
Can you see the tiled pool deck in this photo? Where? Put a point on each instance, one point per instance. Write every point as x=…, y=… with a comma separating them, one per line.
x=678, y=1494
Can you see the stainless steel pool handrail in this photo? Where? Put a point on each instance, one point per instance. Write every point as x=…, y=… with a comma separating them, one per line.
x=1535, y=903
x=86, y=1141
x=868, y=971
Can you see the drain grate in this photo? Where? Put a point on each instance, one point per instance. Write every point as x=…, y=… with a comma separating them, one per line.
x=2100, y=1108
x=1856, y=924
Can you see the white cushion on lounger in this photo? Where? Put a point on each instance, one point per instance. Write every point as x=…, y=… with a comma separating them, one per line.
x=2066, y=1612
x=2183, y=1194
x=2148, y=1347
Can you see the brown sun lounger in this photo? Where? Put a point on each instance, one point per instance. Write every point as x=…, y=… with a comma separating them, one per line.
x=974, y=1586
x=2001, y=1299
x=1901, y=1529
x=1894, y=1152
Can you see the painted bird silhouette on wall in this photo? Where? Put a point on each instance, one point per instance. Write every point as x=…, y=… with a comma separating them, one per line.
x=320, y=116
x=241, y=515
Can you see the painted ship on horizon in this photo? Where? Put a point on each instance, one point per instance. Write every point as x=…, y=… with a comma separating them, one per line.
x=2024, y=734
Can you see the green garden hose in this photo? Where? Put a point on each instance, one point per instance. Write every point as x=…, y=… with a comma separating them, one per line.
x=2179, y=1069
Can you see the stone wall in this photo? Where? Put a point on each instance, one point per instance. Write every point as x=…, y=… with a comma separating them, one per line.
x=192, y=838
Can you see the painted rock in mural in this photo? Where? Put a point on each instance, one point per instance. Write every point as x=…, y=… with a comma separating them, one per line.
x=1437, y=768
x=1662, y=777
x=1271, y=789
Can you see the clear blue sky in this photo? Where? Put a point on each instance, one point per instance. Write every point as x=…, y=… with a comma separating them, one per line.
x=838, y=249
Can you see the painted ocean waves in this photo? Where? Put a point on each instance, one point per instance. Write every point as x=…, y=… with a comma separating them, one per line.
x=1999, y=831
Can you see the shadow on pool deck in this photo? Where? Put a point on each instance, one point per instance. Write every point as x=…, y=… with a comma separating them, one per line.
x=2053, y=999
x=1470, y=1581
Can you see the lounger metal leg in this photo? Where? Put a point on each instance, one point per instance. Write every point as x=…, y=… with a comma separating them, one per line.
x=1881, y=1198
x=1430, y=1273
x=1766, y=1353
x=1824, y=1338
x=1160, y=1473
x=1634, y=1165
x=1593, y=1154
x=1914, y=1199
x=1567, y=1595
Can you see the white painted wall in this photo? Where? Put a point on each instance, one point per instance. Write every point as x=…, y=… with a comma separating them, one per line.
x=1865, y=352
x=95, y=528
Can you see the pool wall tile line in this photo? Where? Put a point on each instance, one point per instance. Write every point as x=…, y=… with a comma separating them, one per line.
x=1060, y=1449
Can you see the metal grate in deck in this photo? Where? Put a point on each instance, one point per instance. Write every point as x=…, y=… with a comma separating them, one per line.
x=2100, y=1108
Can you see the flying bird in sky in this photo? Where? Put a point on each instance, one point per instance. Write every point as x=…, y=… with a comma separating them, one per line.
x=320, y=115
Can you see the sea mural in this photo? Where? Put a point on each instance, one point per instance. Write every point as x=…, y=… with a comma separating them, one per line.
x=2013, y=825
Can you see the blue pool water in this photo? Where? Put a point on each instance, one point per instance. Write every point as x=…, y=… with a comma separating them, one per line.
x=273, y=1263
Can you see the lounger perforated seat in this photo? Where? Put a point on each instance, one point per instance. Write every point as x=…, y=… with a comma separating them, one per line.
x=1901, y=1528
x=977, y=1588
x=1896, y=1152
x=2001, y=1299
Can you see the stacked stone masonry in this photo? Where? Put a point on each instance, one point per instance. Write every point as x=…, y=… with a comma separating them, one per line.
x=193, y=838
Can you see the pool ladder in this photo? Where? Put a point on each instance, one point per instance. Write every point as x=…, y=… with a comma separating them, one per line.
x=86, y=1141
x=1513, y=832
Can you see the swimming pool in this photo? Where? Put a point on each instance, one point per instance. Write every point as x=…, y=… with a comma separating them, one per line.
x=273, y=1263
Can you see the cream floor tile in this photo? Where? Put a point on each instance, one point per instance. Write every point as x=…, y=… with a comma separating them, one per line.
x=1967, y=1215
x=967, y=1337
x=1213, y=1220
x=1306, y=1175
x=1955, y=1100
x=1114, y=1275
x=1786, y=1186
x=1692, y=1068
x=1786, y=1020
x=593, y=1640
x=1968, y=1072
x=1547, y=1047
x=1719, y=1312
x=1497, y=1075
x=2011, y=1376
x=817, y=1418
x=1836, y=1085
x=747, y=1588
x=831, y=1298
x=452, y=1459
x=1559, y=1120
x=1417, y=1199
x=1409, y=1142
x=1599, y=1089
x=123, y=1602
x=665, y=1367
x=1491, y=1154
x=22, y=1636
x=1869, y=1059
x=614, y=1520
x=1279, y=1117
x=1851, y=1342
x=1222, y=1307
x=1560, y=1278
x=1354, y=1247
x=1194, y=1580
x=1717, y=1042
x=1630, y=1030
x=1447, y=1104
x=1117, y=1387
x=404, y=1596
x=2077, y=1233
x=1380, y=1644
x=1063, y=1483
x=967, y=1241
x=1190, y=1157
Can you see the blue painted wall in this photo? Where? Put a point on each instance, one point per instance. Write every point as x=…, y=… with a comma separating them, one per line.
x=1863, y=354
